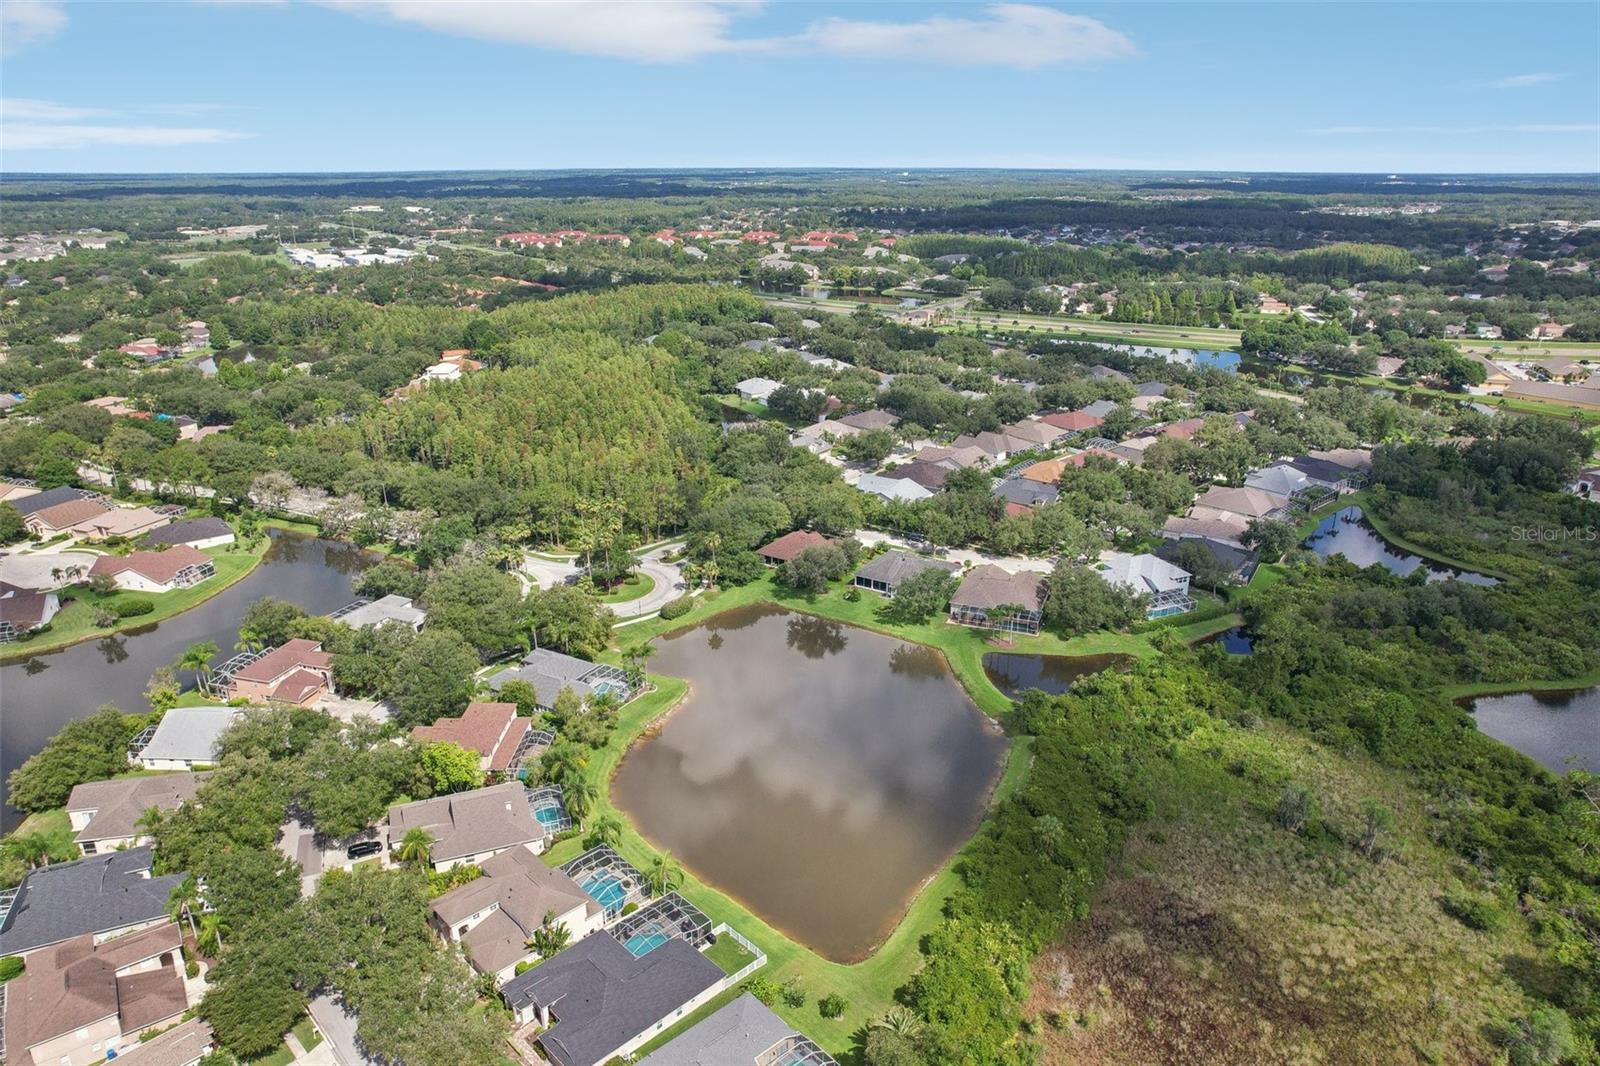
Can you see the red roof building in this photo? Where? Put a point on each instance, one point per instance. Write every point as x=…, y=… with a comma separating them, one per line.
x=761, y=236
x=1072, y=421
x=790, y=545
x=493, y=730
x=295, y=672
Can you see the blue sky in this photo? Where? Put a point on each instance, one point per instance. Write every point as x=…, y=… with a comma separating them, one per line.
x=339, y=85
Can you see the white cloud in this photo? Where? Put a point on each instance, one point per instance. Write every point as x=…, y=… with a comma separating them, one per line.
x=1009, y=35
x=666, y=31
x=46, y=136
x=1538, y=127
x=46, y=125
x=1524, y=81
x=27, y=22
x=1026, y=36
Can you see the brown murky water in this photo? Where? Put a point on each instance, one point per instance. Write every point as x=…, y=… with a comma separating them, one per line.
x=817, y=771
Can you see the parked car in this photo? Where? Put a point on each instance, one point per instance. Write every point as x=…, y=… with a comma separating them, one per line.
x=362, y=848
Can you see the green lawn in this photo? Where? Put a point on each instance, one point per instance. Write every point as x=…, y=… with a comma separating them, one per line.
x=278, y=1056
x=75, y=623
x=56, y=828
x=729, y=954
x=635, y=587
x=306, y=1033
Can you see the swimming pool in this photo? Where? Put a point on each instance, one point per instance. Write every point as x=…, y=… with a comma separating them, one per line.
x=641, y=944
x=549, y=816
x=605, y=890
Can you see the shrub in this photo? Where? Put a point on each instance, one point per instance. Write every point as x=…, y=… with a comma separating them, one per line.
x=793, y=994
x=130, y=606
x=677, y=608
x=629, y=909
x=1472, y=911
x=831, y=1005
x=10, y=966
x=191, y=969
x=764, y=989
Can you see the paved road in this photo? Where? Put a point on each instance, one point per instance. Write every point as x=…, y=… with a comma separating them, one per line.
x=546, y=571
x=338, y=1026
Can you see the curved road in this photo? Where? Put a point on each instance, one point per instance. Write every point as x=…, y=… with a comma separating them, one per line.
x=545, y=571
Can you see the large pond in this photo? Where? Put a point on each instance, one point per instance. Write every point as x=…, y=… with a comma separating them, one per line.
x=1558, y=730
x=817, y=771
x=1015, y=674
x=1347, y=532
x=43, y=693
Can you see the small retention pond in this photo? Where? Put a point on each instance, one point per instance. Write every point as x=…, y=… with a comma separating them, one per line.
x=1235, y=641
x=816, y=771
x=43, y=693
x=1015, y=674
x=1558, y=730
x=1347, y=532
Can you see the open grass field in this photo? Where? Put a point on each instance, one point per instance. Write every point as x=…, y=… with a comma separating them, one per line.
x=75, y=622
x=635, y=587
x=1200, y=337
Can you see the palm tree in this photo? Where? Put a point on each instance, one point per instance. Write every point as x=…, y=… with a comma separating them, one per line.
x=416, y=846
x=33, y=849
x=550, y=938
x=712, y=542
x=183, y=902
x=1050, y=833
x=607, y=830
x=197, y=657
x=640, y=655
x=579, y=796
x=900, y=1021
x=211, y=929
x=664, y=874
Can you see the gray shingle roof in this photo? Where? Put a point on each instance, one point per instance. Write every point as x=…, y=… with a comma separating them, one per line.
x=602, y=996
x=894, y=567
x=195, y=529
x=1026, y=492
x=27, y=505
x=469, y=823
x=93, y=895
x=733, y=1036
x=189, y=734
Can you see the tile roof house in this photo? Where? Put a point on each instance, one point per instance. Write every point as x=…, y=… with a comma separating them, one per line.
x=27, y=503
x=599, y=1001
x=1184, y=429
x=1251, y=503
x=84, y=1000
x=120, y=522
x=1107, y=373
x=297, y=671
x=757, y=390
x=986, y=587
x=1047, y=471
x=364, y=614
x=1225, y=526
x=953, y=458
x=994, y=445
x=1072, y=421
x=743, y=1033
x=470, y=827
x=195, y=532
x=23, y=610
x=60, y=517
x=891, y=488
x=1038, y=433
x=105, y=815
x=1280, y=479
x=891, y=569
x=1164, y=586
x=790, y=545
x=875, y=418
x=187, y=737
x=495, y=915
x=178, y=567
x=106, y=895
x=1328, y=473
x=1349, y=458
x=492, y=730
x=931, y=476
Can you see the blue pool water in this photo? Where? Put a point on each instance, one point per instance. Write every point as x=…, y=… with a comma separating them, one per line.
x=641, y=944
x=606, y=891
x=548, y=816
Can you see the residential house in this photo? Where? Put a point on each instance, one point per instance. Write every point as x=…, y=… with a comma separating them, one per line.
x=24, y=610
x=1496, y=378
x=186, y=738
x=550, y=671
x=1224, y=526
x=952, y=458
x=194, y=533
x=876, y=418
x=1046, y=471
x=61, y=517
x=1251, y=503
x=1150, y=388
x=1353, y=459
x=105, y=815
x=892, y=488
x=1184, y=429
x=179, y=567
x=365, y=613
x=1107, y=373
x=27, y=499
x=1328, y=474
x=743, y=1033
x=997, y=446
x=298, y=672
x=1271, y=305
x=1072, y=421
x=14, y=492
x=892, y=569
x=119, y=522
x=104, y=896
x=1099, y=409
x=493, y=731
x=930, y=476
x=1165, y=587
x=1280, y=479
x=987, y=587
x=1237, y=561
x=598, y=1001
x=186, y=1044
x=1579, y=396
x=1389, y=365
x=470, y=827
x=1026, y=492
x=757, y=390
x=494, y=916
x=790, y=545
x=85, y=1000
x=1039, y=434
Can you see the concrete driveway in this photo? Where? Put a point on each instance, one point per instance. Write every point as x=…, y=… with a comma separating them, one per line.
x=338, y=1027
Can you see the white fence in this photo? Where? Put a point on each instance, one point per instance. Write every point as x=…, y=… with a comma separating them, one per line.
x=760, y=960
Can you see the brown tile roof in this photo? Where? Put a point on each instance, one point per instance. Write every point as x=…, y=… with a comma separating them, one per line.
x=62, y=515
x=469, y=823
x=289, y=656
x=182, y=1043
x=1047, y=472
x=525, y=889
x=1072, y=421
x=160, y=566
x=1184, y=430
x=989, y=586
x=23, y=608
x=297, y=686
x=790, y=545
x=493, y=730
